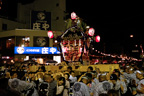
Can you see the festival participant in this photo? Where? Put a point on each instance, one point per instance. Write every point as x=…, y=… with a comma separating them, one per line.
x=52, y=85
x=60, y=86
x=121, y=80
x=140, y=87
x=72, y=78
x=91, y=84
x=69, y=69
x=97, y=72
x=27, y=77
x=7, y=75
x=90, y=69
x=67, y=84
x=88, y=79
x=81, y=88
x=5, y=90
x=25, y=89
x=132, y=74
x=118, y=85
x=13, y=74
x=94, y=78
x=126, y=75
x=127, y=79
x=103, y=86
x=48, y=87
x=133, y=80
x=39, y=76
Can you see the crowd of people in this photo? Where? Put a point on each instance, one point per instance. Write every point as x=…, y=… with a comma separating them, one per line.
x=128, y=80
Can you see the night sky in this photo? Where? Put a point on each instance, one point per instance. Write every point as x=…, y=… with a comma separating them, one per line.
x=110, y=17
x=113, y=21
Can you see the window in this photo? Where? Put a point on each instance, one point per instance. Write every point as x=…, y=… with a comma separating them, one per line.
x=22, y=41
x=57, y=4
x=4, y=27
x=10, y=42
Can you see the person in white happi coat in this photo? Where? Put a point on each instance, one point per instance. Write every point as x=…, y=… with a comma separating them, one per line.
x=103, y=86
x=140, y=87
x=120, y=81
x=81, y=88
x=23, y=87
x=118, y=85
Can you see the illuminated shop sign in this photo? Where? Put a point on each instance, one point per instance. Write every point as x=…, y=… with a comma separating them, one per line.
x=41, y=20
x=36, y=50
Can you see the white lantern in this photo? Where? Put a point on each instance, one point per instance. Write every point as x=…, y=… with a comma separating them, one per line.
x=91, y=32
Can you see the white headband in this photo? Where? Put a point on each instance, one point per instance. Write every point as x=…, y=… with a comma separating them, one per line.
x=139, y=72
x=131, y=69
x=104, y=74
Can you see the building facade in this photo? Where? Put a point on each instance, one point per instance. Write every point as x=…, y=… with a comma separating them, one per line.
x=20, y=33
x=32, y=42
x=57, y=8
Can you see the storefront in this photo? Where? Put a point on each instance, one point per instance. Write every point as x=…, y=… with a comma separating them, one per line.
x=24, y=44
x=38, y=54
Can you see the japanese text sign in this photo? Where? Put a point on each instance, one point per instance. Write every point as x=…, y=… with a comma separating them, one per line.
x=40, y=20
x=36, y=50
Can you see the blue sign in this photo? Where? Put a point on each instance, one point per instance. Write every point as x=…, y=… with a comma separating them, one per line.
x=36, y=50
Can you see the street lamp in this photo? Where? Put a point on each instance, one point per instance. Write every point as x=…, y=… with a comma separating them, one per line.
x=131, y=36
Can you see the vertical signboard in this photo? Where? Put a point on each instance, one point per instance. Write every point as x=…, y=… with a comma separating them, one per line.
x=40, y=20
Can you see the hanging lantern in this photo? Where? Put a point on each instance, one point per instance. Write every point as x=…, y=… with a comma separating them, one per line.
x=91, y=32
x=50, y=34
x=97, y=38
x=73, y=15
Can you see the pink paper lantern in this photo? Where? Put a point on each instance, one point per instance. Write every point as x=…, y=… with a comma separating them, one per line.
x=73, y=15
x=91, y=32
x=50, y=34
x=97, y=38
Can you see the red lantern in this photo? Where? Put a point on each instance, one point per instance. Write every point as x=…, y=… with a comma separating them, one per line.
x=97, y=38
x=73, y=15
x=91, y=32
x=50, y=34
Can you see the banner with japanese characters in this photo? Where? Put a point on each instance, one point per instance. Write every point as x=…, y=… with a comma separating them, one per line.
x=40, y=20
x=36, y=50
